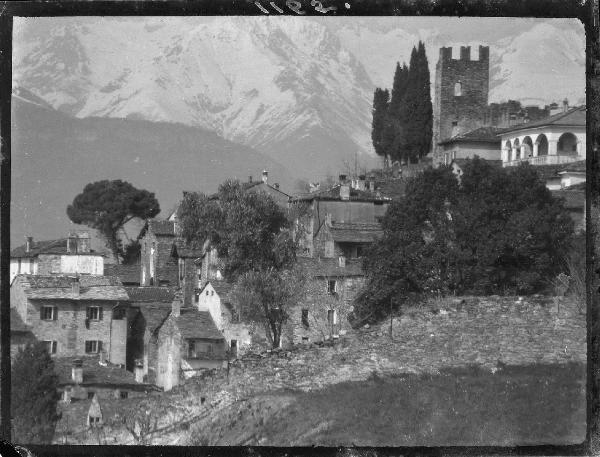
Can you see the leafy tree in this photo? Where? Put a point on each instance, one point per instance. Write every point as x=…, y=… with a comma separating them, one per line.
x=34, y=395
x=497, y=231
x=108, y=205
x=248, y=229
x=267, y=296
x=131, y=252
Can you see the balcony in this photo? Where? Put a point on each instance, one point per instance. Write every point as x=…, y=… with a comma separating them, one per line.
x=545, y=160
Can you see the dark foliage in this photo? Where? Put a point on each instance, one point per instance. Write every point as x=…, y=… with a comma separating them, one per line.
x=108, y=205
x=34, y=395
x=248, y=229
x=403, y=127
x=498, y=231
x=380, y=110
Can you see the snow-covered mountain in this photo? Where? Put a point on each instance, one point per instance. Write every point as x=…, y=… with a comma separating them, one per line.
x=285, y=87
x=537, y=63
x=298, y=89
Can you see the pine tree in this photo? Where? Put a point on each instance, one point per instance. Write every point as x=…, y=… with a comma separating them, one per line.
x=380, y=111
x=426, y=109
x=34, y=395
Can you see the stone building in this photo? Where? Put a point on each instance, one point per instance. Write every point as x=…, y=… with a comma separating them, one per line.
x=71, y=255
x=323, y=315
x=82, y=378
x=214, y=298
x=151, y=306
x=75, y=316
x=343, y=203
x=483, y=142
x=158, y=268
x=554, y=140
x=189, y=272
x=20, y=334
x=461, y=93
x=188, y=343
x=345, y=239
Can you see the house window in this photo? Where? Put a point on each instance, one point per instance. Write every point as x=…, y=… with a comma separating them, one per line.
x=331, y=287
x=94, y=313
x=207, y=292
x=305, y=317
x=51, y=346
x=123, y=394
x=93, y=346
x=94, y=421
x=197, y=298
x=212, y=292
x=48, y=313
x=90, y=394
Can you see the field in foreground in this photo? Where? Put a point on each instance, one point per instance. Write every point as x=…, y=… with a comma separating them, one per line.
x=518, y=405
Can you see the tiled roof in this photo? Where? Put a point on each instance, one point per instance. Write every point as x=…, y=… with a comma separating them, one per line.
x=196, y=324
x=334, y=194
x=45, y=247
x=150, y=294
x=155, y=314
x=94, y=373
x=482, y=134
x=574, y=199
x=321, y=267
x=221, y=287
x=51, y=287
x=573, y=117
x=165, y=228
x=346, y=232
x=126, y=273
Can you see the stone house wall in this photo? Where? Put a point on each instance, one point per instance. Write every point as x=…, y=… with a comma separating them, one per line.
x=69, y=328
x=189, y=280
x=317, y=304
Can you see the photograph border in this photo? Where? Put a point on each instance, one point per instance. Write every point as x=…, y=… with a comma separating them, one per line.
x=586, y=12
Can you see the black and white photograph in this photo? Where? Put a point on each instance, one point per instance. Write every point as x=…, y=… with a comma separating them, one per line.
x=298, y=230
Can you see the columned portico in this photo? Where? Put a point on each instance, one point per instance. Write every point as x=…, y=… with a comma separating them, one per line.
x=557, y=139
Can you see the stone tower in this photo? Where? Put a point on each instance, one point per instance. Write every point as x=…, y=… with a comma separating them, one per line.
x=461, y=93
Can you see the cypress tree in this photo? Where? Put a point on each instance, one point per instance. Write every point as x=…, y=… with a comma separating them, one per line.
x=398, y=89
x=416, y=110
x=380, y=112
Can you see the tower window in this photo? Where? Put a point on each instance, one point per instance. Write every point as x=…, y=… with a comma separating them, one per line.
x=458, y=89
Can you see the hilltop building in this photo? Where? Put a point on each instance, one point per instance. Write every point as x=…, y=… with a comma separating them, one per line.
x=71, y=255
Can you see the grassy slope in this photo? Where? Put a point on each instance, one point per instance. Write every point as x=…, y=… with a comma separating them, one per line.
x=514, y=406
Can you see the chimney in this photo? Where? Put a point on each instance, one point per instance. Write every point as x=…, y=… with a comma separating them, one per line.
x=176, y=307
x=265, y=176
x=77, y=371
x=72, y=243
x=362, y=182
x=249, y=178
x=28, y=244
x=83, y=242
x=138, y=371
x=75, y=289
x=342, y=261
x=565, y=105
